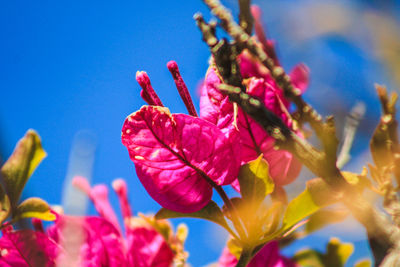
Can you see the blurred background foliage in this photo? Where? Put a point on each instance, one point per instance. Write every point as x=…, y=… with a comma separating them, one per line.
x=67, y=70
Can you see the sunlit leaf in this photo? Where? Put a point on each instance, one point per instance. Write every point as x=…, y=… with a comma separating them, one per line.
x=34, y=208
x=308, y=257
x=19, y=167
x=5, y=206
x=338, y=252
x=336, y=255
x=363, y=263
x=210, y=212
x=255, y=182
x=316, y=196
x=234, y=247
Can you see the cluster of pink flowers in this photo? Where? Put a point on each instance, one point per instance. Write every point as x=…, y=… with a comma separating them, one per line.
x=93, y=241
x=179, y=157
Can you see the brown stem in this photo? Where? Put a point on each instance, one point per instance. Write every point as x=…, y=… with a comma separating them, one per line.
x=246, y=20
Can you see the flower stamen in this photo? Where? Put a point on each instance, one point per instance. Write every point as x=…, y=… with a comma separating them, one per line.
x=181, y=86
x=148, y=94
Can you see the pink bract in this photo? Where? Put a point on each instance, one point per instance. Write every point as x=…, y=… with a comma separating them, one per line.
x=147, y=247
x=88, y=242
x=97, y=241
x=27, y=248
x=268, y=256
x=253, y=139
x=178, y=156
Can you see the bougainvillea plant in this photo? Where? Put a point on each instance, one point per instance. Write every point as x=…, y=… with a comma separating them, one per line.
x=249, y=134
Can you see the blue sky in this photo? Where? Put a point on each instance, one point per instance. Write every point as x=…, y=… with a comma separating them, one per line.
x=69, y=66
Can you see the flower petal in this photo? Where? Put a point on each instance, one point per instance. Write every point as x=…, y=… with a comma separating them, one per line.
x=27, y=248
x=300, y=77
x=88, y=241
x=176, y=154
x=147, y=247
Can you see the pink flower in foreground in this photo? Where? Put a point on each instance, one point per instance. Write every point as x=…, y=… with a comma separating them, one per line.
x=216, y=108
x=268, y=256
x=93, y=241
x=27, y=248
x=98, y=241
x=178, y=157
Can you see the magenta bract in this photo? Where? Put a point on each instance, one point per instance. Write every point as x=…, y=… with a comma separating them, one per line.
x=27, y=248
x=253, y=140
x=147, y=248
x=177, y=156
x=88, y=242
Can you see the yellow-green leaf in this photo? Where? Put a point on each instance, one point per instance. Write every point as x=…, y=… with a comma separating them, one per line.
x=34, y=208
x=308, y=257
x=5, y=206
x=255, y=182
x=210, y=212
x=336, y=255
x=316, y=196
x=234, y=247
x=19, y=167
x=363, y=263
x=338, y=252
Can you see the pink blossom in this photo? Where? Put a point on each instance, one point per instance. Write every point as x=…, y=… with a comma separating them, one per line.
x=178, y=157
x=93, y=241
x=27, y=248
x=102, y=243
x=216, y=108
x=268, y=256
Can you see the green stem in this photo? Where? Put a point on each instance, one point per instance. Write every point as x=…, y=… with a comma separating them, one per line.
x=245, y=257
x=235, y=214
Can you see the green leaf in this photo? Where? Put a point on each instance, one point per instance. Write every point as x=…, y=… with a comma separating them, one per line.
x=255, y=182
x=234, y=247
x=337, y=253
x=5, y=206
x=34, y=208
x=211, y=212
x=316, y=196
x=363, y=263
x=323, y=217
x=309, y=258
x=19, y=167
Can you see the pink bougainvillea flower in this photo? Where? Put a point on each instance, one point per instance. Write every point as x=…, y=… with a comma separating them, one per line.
x=93, y=241
x=103, y=243
x=88, y=241
x=268, y=256
x=26, y=248
x=216, y=108
x=178, y=157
